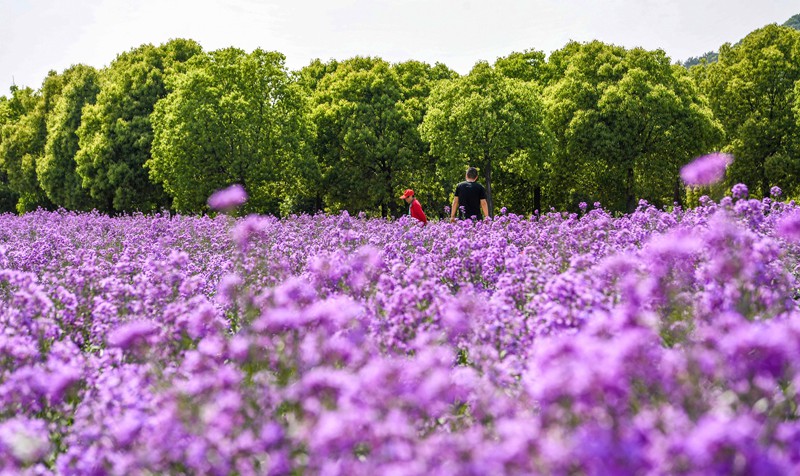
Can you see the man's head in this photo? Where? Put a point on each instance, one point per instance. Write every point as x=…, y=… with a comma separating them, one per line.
x=472, y=174
x=408, y=196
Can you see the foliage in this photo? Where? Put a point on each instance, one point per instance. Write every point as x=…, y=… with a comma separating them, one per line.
x=417, y=79
x=793, y=22
x=751, y=91
x=116, y=134
x=232, y=117
x=709, y=57
x=591, y=122
x=56, y=169
x=23, y=138
x=528, y=65
x=10, y=112
x=625, y=122
x=487, y=120
x=366, y=134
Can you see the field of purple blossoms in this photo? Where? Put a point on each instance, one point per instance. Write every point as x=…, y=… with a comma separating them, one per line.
x=654, y=343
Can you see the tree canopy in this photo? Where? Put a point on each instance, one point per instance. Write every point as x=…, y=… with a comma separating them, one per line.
x=116, y=134
x=487, y=120
x=625, y=122
x=56, y=170
x=231, y=117
x=366, y=114
x=163, y=127
x=751, y=90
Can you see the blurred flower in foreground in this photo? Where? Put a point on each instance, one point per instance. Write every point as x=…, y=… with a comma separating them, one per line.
x=129, y=334
x=706, y=170
x=789, y=226
x=25, y=440
x=228, y=198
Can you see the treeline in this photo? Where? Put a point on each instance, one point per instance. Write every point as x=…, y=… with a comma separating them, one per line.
x=162, y=127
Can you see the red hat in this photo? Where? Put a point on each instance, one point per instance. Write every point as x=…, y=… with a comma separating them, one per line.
x=406, y=194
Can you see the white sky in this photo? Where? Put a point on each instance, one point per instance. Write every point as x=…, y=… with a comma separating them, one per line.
x=40, y=35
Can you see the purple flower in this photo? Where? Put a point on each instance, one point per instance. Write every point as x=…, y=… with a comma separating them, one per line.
x=789, y=226
x=60, y=382
x=739, y=190
x=128, y=335
x=228, y=198
x=775, y=192
x=25, y=440
x=706, y=170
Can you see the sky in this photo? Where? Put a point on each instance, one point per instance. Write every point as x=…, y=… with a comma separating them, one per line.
x=41, y=35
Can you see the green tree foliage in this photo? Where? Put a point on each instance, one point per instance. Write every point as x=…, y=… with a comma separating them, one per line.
x=233, y=117
x=517, y=192
x=310, y=76
x=22, y=141
x=751, y=90
x=166, y=126
x=56, y=169
x=625, y=122
x=709, y=57
x=366, y=137
x=490, y=121
x=416, y=80
x=115, y=134
x=793, y=22
x=528, y=65
x=10, y=112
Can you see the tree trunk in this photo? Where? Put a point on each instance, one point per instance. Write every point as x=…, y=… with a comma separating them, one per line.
x=537, y=198
x=764, y=179
x=488, y=175
x=678, y=193
x=630, y=198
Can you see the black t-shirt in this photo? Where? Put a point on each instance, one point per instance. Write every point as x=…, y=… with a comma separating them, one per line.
x=469, y=196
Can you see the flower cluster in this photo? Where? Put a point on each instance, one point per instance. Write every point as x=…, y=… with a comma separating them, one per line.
x=564, y=343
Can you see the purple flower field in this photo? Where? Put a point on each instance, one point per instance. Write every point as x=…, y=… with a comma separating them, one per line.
x=653, y=343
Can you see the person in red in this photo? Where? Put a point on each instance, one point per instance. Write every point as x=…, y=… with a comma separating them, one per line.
x=414, y=209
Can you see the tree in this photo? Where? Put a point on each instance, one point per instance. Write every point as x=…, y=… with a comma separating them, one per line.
x=115, y=134
x=416, y=80
x=751, y=90
x=625, y=122
x=709, y=57
x=793, y=22
x=10, y=112
x=233, y=117
x=528, y=65
x=310, y=76
x=56, y=169
x=487, y=120
x=23, y=138
x=365, y=136
x=517, y=192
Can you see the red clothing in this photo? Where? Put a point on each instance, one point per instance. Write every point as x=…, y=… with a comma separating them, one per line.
x=415, y=210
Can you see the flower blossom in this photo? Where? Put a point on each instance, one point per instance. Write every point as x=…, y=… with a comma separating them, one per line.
x=228, y=198
x=706, y=170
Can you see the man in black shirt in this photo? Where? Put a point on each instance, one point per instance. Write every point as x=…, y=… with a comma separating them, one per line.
x=472, y=196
